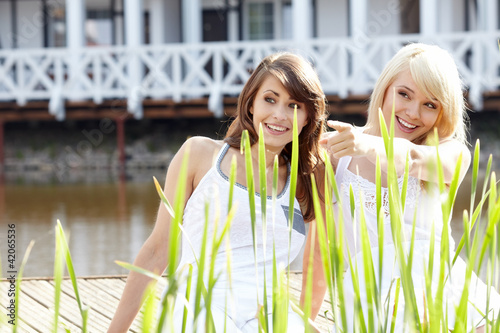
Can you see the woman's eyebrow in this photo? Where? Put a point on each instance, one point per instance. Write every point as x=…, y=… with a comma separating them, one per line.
x=270, y=90
x=406, y=87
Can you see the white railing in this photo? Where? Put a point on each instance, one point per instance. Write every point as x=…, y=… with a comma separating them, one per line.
x=182, y=71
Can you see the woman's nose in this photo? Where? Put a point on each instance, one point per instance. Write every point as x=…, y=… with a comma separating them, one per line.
x=413, y=111
x=280, y=113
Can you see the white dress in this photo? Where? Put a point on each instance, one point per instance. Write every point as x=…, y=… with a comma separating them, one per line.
x=235, y=306
x=426, y=209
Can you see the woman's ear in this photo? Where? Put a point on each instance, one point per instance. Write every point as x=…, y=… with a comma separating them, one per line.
x=251, y=109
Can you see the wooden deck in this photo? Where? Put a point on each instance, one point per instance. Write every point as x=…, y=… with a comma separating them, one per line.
x=100, y=293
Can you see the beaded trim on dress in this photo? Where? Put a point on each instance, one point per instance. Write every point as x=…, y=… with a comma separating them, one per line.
x=369, y=191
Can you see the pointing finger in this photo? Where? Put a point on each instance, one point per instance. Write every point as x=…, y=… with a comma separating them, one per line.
x=339, y=125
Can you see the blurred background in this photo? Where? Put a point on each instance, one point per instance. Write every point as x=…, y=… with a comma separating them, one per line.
x=97, y=95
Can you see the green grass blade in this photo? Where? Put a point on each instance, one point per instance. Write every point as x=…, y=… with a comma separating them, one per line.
x=405, y=181
x=174, y=239
x=262, y=174
x=280, y=291
x=188, y=297
x=492, y=216
x=369, y=272
x=380, y=219
x=309, y=282
x=200, y=285
x=149, y=314
x=263, y=209
x=396, y=213
x=245, y=146
x=58, y=273
x=232, y=181
x=163, y=198
x=396, y=302
x=138, y=269
x=475, y=172
x=212, y=278
x=19, y=278
x=69, y=265
x=335, y=233
x=293, y=176
x=461, y=311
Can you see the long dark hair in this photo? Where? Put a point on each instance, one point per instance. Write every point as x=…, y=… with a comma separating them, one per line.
x=302, y=83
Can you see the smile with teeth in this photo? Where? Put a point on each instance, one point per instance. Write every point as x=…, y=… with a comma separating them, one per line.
x=276, y=128
x=406, y=124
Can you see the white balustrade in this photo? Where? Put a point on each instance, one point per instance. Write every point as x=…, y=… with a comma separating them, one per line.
x=214, y=70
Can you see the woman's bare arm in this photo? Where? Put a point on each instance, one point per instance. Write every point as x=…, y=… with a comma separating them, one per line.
x=154, y=253
x=348, y=141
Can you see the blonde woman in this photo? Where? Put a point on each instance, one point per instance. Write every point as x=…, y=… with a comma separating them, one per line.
x=423, y=84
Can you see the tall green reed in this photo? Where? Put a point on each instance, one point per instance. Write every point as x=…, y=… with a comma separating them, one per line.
x=434, y=317
x=382, y=311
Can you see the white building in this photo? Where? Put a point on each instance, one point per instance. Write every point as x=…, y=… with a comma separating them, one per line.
x=98, y=50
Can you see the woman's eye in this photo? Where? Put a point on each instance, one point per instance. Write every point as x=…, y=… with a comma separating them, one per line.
x=293, y=105
x=269, y=100
x=430, y=105
x=402, y=93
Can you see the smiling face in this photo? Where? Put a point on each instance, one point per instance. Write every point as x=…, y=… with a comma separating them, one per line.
x=415, y=113
x=274, y=108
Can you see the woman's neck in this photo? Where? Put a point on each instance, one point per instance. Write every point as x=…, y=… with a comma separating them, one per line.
x=270, y=155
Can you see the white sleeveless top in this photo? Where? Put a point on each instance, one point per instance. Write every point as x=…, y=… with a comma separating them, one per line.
x=213, y=190
x=420, y=204
x=424, y=207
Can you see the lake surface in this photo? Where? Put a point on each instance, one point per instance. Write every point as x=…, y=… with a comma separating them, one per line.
x=106, y=219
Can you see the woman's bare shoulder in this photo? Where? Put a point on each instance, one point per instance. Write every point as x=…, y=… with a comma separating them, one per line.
x=202, y=153
x=201, y=146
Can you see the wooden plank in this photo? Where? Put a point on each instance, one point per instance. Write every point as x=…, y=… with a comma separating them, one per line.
x=323, y=322
x=97, y=299
x=102, y=296
x=111, y=291
x=96, y=322
x=23, y=325
x=43, y=292
x=114, y=287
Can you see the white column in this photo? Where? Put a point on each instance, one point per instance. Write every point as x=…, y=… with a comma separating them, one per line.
x=488, y=22
x=134, y=22
x=278, y=19
x=429, y=17
x=119, y=24
x=173, y=21
x=157, y=21
x=233, y=28
x=191, y=21
x=302, y=19
x=487, y=15
x=75, y=22
x=134, y=32
x=446, y=21
x=75, y=42
x=358, y=17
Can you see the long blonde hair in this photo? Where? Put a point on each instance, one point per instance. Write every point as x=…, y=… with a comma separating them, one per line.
x=436, y=75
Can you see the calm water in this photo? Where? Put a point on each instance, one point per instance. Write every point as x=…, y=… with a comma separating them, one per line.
x=105, y=222
x=106, y=219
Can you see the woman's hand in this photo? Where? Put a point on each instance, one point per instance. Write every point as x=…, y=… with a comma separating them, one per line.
x=348, y=141
x=345, y=140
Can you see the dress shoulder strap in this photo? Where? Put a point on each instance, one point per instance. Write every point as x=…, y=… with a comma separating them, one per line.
x=220, y=155
x=341, y=167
